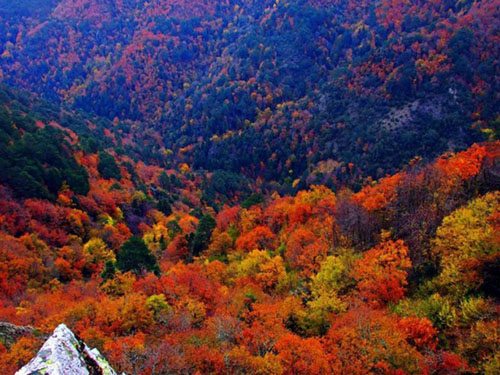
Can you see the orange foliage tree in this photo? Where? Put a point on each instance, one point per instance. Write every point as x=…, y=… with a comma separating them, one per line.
x=381, y=273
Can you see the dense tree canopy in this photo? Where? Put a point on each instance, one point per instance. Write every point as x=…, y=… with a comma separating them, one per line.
x=293, y=92
x=253, y=187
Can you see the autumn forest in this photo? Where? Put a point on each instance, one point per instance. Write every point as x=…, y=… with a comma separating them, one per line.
x=243, y=187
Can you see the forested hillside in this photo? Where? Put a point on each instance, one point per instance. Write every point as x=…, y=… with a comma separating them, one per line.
x=240, y=187
x=289, y=91
x=398, y=278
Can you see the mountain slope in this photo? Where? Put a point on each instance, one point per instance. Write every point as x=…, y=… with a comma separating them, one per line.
x=229, y=187
x=404, y=272
x=273, y=90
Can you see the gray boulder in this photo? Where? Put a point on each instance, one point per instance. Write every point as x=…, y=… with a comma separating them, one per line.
x=65, y=354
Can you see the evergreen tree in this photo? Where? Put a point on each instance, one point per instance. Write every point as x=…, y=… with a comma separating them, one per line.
x=107, y=166
x=252, y=200
x=164, y=206
x=202, y=236
x=135, y=256
x=109, y=271
x=164, y=181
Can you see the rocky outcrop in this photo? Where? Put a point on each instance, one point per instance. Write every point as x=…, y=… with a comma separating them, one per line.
x=10, y=333
x=65, y=354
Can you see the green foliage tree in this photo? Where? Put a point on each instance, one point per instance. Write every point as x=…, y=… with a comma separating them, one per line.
x=135, y=256
x=252, y=200
x=34, y=161
x=107, y=166
x=78, y=180
x=202, y=236
x=164, y=206
x=109, y=271
x=164, y=181
x=25, y=185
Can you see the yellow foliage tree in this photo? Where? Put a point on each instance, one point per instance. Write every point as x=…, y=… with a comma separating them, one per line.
x=96, y=251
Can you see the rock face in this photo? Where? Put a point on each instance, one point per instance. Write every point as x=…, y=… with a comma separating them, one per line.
x=10, y=333
x=65, y=354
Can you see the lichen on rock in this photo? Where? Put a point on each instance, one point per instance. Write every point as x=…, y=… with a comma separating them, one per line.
x=65, y=354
